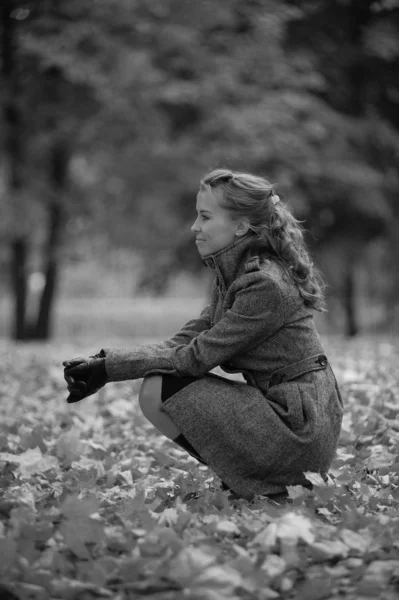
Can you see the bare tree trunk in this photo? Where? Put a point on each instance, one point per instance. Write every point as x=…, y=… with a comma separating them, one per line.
x=392, y=299
x=349, y=300
x=19, y=251
x=360, y=16
x=14, y=157
x=43, y=325
x=58, y=174
x=57, y=170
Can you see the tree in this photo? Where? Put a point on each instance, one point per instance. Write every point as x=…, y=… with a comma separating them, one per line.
x=354, y=49
x=38, y=149
x=14, y=150
x=134, y=101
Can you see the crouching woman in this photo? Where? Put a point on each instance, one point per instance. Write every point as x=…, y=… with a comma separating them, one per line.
x=264, y=433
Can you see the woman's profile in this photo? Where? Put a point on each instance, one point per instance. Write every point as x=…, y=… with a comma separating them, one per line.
x=263, y=434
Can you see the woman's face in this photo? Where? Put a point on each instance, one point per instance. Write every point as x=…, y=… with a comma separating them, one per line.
x=214, y=226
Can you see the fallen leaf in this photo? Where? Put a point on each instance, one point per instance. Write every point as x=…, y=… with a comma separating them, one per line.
x=356, y=541
x=188, y=563
x=327, y=550
x=227, y=527
x=79, y=527
x=8, y=554
x=274, y=565
x=31, y=461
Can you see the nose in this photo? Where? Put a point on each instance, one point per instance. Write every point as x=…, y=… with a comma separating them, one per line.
x=195, y=226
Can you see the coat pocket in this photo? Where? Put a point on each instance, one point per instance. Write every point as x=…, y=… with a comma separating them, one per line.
x=295, y=404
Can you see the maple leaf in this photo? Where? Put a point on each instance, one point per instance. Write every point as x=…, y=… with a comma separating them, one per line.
x=31, y=461
x=227, y=527
x=79, y=527
x=315, y=478
x=217, y=581
x=149, y=537
x=69, y=447
x=327, y=550
x=32, y=438
x=274, y=565
x=291, y=527
x=168, y=517
x=188, y=563
x=8, y=554
x=296, y=491
x=359, y=542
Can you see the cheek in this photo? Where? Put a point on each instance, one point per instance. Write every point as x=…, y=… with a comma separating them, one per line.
x=227, y=229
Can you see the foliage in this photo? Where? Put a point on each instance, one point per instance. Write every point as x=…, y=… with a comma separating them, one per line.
x=154, y=94
x=96, y=504
x=148, y=95
x=353, y=47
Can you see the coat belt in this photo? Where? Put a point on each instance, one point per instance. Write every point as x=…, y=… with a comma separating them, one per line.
x=313, y=363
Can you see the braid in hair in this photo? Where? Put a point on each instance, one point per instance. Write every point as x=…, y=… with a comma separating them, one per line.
x=276, y=230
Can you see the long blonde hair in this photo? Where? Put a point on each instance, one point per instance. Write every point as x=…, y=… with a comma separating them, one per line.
x=276, y=230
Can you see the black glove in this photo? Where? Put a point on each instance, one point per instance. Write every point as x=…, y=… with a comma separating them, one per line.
x=85, y=376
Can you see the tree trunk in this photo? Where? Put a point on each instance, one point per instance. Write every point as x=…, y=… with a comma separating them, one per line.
x=59, y=159
x=14, y=158
x=392, y=298
x=349, y=300
x=359, y=15
x=19, y=252
x=43, y=325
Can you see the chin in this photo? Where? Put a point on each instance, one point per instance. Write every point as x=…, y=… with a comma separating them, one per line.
x=201, y=247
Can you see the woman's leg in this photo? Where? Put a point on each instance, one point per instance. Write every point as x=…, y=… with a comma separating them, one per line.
x=150, y=400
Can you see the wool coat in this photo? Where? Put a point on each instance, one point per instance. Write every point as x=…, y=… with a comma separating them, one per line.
x=262, y=434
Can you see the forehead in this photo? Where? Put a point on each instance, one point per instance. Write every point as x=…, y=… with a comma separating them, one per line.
x=209, y=200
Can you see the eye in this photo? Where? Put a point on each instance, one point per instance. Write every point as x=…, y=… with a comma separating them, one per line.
x=204, y=218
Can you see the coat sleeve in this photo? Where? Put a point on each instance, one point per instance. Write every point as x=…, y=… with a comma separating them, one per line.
x=191, y=329
x=256, y=314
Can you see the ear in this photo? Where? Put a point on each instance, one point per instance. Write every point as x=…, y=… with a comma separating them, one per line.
x=242, y=228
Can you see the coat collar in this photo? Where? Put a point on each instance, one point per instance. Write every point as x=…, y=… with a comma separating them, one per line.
x=226, y=262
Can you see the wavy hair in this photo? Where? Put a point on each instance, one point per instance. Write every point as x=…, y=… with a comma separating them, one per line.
x=276, y=230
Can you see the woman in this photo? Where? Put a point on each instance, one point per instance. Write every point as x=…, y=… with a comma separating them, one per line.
x=262, y=435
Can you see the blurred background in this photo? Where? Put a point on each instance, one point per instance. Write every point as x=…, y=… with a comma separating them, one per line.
x=112, y=111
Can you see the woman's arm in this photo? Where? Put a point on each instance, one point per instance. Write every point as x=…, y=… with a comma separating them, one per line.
x=190, y=330
x=257, y=312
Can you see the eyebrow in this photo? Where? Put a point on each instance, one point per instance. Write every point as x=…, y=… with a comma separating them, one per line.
x=203, y=210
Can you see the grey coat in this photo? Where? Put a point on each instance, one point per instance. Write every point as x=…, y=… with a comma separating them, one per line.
x=262, y=435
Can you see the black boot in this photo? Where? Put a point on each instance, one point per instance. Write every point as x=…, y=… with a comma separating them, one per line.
x=224, y=487
x=185, y=444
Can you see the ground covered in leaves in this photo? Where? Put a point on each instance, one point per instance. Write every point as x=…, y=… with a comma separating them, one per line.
x=95, y=504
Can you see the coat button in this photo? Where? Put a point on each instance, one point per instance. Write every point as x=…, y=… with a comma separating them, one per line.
x=322, y=360
x=277, y=378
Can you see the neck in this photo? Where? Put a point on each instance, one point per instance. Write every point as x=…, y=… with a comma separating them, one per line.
x=227, y=261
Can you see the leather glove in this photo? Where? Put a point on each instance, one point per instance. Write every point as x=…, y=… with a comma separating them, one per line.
x=85, y=376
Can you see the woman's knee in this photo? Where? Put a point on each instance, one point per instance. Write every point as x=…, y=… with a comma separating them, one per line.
x=150, y=400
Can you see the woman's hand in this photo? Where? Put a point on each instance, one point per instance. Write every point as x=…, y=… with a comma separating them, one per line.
x=85, y=376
